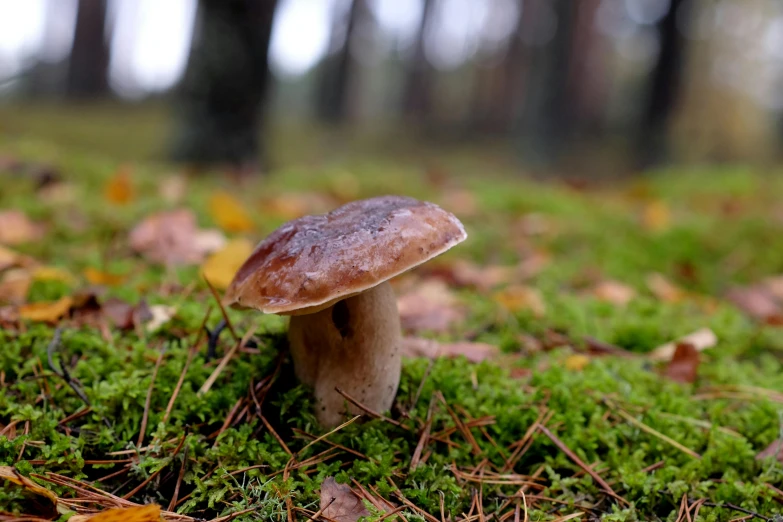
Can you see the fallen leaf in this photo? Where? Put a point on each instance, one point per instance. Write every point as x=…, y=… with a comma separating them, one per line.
x=294, y=205
x=516, y=298
x=16, y=228
x=229, y=214
x=474, y=352
x=161, y=314
x=8, y=473
x=46, y=311
x=173, y=188
x=614, y=292
x=429, y=306
x=220, y=267
x=172, y=238
x=53, y=273
x=664, y=289
x=460, y=201
x=775, y=449
x=656, y=217
x=700, y=339
x=14, y=286
x=684, y=364
x=758, y=301
x=148, y=513
x=119, y=189
x=98, y=277
x=576, y=362
x=340, y=503
x=466, y=274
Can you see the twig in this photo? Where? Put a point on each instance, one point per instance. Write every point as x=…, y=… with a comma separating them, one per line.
x=148, y=401
x=173, y=502
x=156, y=473
x=338, y=428
x=642, y=426
x=372, y=413
x=213, y=336
x=191, y=354
x=571, y=455
x=266, y=423
x=321, y=510
x=222, y=310
x=223, y=362
x=423, y=439
x=734, y=507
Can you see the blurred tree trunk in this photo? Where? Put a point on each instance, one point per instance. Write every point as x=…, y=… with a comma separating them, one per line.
x=221, y=99
x=339, y=68
x=89, y=62
x=664, y=88
x=417, y=96
x=548, y=116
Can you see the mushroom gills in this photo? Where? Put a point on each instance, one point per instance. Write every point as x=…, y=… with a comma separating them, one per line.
x=353, y=345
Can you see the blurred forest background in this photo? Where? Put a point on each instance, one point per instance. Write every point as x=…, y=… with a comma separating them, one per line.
x=560, y=84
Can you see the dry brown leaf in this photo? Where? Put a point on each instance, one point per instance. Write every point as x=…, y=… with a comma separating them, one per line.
x=664, y=289
x=516, y=298
x=758, y=301
x=614, y=292
x=460, y=201
x=16, y=228
x=46, y=311
x=172, y=238
x=173, y=188
x=775, y=449
x=220, y=267
x=340, y=503
x=701, y=339
x=474, y=352
x=657, y=216
x=148, y=513
x=14, y=285
x=684, y=365
x=229, y=214
x=294, y=205
x=11, y=475
x=98, y=277
x=774, y=285
x=119, y=189
x=429, y=306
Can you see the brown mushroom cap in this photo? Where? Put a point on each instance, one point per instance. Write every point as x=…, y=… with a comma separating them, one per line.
x=312, y=262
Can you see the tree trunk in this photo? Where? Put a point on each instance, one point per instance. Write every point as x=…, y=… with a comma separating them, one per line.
x=417, y=100
x=665, y=85
x=89, y=62
x=547, y=118
x=221, y=98
x=338, y=69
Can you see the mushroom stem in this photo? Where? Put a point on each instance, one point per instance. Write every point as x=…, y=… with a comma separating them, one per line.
x=354, y=345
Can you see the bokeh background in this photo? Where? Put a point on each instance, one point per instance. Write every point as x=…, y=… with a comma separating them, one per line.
x=588, y=86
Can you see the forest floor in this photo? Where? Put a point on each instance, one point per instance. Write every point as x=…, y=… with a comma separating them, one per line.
x=557, y=385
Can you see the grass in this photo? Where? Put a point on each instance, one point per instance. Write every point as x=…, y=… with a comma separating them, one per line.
x=652, y=441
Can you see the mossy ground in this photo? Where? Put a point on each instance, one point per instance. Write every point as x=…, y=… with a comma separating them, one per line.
x=723, y=228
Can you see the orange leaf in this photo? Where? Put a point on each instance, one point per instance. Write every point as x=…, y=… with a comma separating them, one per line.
x=516, y=298
x=14, y=285
x=576, y=362
x=11, y=475
x=229, y=213
x=46, y=311
x=119, y=189
x=97, y=277
x=657, y=216
x=148, y=513
x=220, y=267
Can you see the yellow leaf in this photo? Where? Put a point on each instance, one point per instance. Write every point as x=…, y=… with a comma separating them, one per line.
x=11, y=475
x=519, y=297
x=656, y=217
x=46, y=311
x=52, y=273
x=119, y=189
x=220, y=267
x=576, y=362
x=97, y=277
x=229, y=214
x=148, y=513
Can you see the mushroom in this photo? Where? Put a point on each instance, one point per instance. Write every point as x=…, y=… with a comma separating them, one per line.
x=330, y=273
